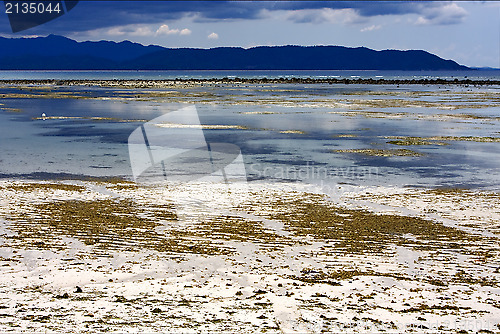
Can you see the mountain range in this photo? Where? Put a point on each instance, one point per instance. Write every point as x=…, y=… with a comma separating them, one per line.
x=61, y=53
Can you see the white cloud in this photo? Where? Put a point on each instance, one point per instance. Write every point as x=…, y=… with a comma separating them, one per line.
x=213, y=36
x=442, y=15
x=132, y=30
x=15, y=35
x=116, y=31
x=422, y=21
x=345, y=16
x=165, y=30
x=142, y=31
x=371, y=28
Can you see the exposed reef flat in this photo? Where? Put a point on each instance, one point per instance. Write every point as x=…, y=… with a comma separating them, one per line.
x=139, y=83
x=87, y=256
x=411, y=102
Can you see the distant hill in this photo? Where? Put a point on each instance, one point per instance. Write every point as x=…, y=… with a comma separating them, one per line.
x=61, y=53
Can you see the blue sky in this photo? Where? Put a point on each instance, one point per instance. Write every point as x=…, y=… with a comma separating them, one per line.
x=467, y=32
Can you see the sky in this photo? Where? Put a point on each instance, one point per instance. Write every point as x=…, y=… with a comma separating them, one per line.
x=465, y=31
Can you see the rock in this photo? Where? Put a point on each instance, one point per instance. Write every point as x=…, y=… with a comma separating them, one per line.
x=63, y=296
x=259, y=292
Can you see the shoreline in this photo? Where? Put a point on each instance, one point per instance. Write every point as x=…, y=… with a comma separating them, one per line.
x=144, y=83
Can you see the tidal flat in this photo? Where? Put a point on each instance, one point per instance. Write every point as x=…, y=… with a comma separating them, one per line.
x=367, y=208
x=94, y=256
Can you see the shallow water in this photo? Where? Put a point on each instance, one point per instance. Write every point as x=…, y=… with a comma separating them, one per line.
x=285, y=132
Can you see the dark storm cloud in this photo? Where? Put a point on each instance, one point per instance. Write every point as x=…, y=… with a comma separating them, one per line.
x=364, y=8
x=90, y=15
x=442, y=12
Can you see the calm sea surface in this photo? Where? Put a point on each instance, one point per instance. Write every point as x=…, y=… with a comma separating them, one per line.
x=314, y=133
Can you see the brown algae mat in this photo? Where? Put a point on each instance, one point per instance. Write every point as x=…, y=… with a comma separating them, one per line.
x=382, y=152
x=122, y=224
x=106, y=224
x=125, y=224
x=438, y=140
x=356, y=230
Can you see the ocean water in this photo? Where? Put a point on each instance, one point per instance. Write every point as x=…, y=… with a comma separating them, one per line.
x=315, y=133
